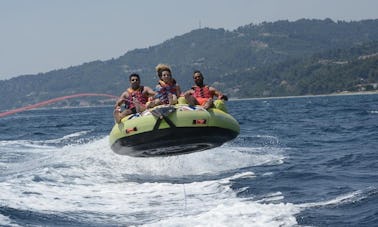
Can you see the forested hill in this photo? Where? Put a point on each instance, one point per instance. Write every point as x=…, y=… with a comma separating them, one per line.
x=256, y=60
x=336, y=71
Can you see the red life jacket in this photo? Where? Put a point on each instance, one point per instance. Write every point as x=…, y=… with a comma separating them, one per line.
x=164, y=90
x=202, y=92
x=138, y=94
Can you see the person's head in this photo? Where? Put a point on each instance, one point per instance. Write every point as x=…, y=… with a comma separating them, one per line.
x=164, y=72
x=134, y=80
x=198, y=78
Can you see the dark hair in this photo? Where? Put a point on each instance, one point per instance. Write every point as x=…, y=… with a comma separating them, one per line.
x=160, y=71
x=134, y=75
x=197, y=71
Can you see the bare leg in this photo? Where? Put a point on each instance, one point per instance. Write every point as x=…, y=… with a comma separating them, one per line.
x=153, y=103
x=142, y=108
x=137, y=105
x=172, y=99
x=118, y=115
x=149, y=104
x=208, y=104
x=191, y=100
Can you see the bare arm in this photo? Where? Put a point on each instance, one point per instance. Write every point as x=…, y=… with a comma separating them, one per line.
x=178, y=91
x=121, y=99
x=215, y=92
x=189, y=92
x=149, y=91
x=219, y=94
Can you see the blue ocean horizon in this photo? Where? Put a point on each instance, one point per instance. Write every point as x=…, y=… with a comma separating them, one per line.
x=298, y=161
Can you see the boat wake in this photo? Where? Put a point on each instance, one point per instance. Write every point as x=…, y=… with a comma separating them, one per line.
x=88, y=184
x=90, y=181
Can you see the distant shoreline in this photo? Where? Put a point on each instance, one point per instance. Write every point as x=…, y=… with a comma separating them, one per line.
x=242, y=99
x=312, y=96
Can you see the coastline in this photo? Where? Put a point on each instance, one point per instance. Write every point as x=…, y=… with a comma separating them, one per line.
x=231, y=99
x=311, y=96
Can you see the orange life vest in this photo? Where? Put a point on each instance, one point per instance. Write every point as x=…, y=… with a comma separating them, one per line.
x=202, y=92
x=138, y=94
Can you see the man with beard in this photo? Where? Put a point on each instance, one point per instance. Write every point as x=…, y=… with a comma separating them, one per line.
x=134, y=98
x=203, y=95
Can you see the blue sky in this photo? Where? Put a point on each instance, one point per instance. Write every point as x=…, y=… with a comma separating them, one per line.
x=42, y=35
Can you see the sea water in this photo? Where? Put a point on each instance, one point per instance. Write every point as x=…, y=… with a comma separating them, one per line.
x=308, y=161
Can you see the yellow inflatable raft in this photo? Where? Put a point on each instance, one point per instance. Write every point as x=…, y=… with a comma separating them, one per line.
x=172, y=130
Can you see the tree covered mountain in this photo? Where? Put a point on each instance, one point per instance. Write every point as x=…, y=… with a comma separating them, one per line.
x=338, y=70
x=256, y=60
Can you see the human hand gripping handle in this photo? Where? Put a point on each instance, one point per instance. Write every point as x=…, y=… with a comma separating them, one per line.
x=117, y=109
x=223, y=97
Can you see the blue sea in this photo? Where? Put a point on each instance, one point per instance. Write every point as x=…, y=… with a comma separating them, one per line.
x=305, y=161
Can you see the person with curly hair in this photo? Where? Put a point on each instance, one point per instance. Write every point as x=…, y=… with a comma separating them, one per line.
x=167, y=90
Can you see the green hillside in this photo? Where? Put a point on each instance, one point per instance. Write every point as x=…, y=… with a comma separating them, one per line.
x=256, y=60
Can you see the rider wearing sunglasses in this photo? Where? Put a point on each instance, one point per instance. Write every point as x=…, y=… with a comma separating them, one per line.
x=134, y=98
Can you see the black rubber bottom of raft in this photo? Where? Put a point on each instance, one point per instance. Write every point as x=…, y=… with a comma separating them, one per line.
x=172, y=141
